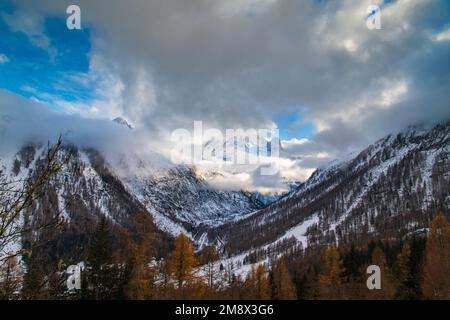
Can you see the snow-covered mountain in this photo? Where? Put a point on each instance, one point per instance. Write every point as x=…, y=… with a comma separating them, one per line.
x=181, y=200
x=391, y=189
x=123, y=122
x=88, y=186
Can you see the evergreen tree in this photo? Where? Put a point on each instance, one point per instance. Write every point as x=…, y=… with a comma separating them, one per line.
x=405, y=275
x=416, y=260
x=436, y=276
x=101, y=272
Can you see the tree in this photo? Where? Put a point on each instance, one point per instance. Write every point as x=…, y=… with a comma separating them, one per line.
x=282, y=285
x=229, y=272
x=330, y=285
x=405, y=275
x=257, y=284
x=387, y=290
x=34, y=281
x=309, y=284
x=207, y=259
x=436, y=275
x=10, y=279
x=182, y=260
x=141, y=282
x=101, y=271
x=416, y=261
x=14, y=201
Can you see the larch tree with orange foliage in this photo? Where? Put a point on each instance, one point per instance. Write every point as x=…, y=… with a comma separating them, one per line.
x=436, y=273
x=182, y=260
x=282, y=286
x=257, y=284
x=387, y=290
x=330, y=283
x=141, y=282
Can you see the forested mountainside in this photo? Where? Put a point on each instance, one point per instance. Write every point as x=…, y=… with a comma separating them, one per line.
x=391, y=189
x=82, y=191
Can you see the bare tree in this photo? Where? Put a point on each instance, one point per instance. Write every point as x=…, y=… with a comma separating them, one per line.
x=17, y=196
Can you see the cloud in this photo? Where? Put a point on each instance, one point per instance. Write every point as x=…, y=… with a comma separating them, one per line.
x=32, y=25
x=231, y=64
x=444, y=35
x=3, y=58
x=23, y=121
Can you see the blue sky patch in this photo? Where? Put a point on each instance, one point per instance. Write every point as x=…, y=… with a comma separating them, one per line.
x=293, y=125
x=33, y=71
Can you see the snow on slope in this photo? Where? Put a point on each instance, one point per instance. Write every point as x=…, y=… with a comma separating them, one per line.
x=390, y=181
x=11, y=182
x=180, y=201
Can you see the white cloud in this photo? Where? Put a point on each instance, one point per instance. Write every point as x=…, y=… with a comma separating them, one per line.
x=32, y=24
x=443, y=35
x=393, y=93
x=3, y=58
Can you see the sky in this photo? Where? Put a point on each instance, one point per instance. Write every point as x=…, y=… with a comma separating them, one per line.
x=310, y=68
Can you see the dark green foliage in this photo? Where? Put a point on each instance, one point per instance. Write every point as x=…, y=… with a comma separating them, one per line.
x=102, y=274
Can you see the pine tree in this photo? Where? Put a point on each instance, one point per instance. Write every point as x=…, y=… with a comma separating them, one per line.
x=182, y=260
x=436, y=275
x=282, y=286
x=330, y=284
x=101, y=272
x=416, y=260
x=405, y=275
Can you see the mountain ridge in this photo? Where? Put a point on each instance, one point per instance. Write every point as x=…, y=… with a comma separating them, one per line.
x=391, y=188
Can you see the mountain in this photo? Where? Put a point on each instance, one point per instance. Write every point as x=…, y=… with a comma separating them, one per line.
x=88, y=187
x=123, y=122
x=181, y=200
x=79, y=194
x=391, y=189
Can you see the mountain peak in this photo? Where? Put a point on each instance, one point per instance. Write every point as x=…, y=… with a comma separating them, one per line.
x=123, y=122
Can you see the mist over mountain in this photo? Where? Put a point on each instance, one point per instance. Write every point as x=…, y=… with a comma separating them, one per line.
x=345, y=201
x=390, y=190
